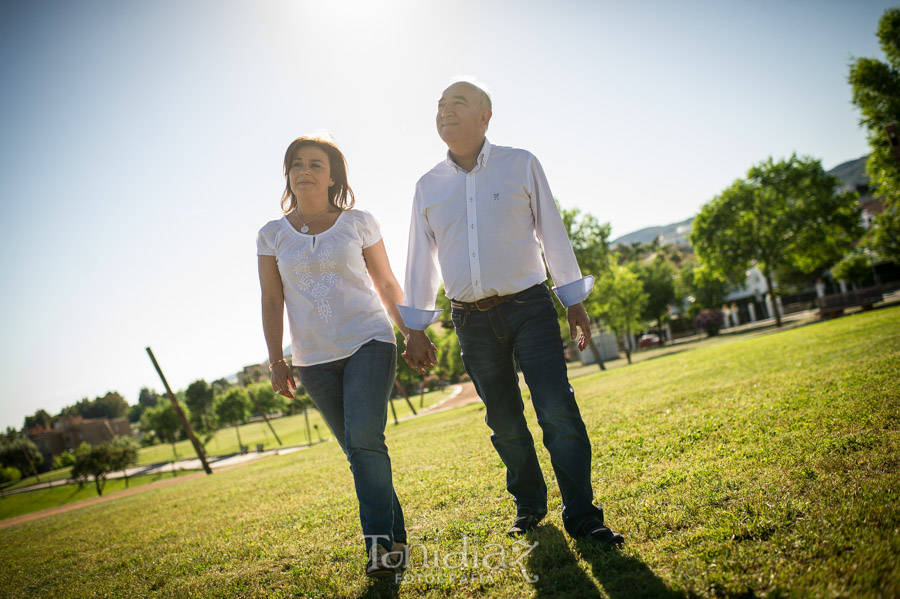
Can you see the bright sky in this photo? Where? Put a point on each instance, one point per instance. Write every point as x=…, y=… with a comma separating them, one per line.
x=142, y=144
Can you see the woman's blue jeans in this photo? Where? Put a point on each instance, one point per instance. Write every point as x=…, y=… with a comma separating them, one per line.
x=352, y=395
x=525, y=329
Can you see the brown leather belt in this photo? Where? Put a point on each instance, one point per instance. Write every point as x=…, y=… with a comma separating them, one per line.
x=482, y=305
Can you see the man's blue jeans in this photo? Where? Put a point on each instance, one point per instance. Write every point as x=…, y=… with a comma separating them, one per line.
x=525, y=329
x=352, y=395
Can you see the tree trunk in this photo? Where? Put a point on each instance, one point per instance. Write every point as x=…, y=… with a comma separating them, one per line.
x=236, y=430
x=626, y=339
x=772, y=295
x=99, y=484
x=662, y=333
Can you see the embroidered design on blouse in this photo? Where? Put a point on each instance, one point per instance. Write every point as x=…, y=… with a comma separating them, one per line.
x=317, y=285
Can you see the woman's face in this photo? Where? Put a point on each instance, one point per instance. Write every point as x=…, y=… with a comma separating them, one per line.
x=310, y=173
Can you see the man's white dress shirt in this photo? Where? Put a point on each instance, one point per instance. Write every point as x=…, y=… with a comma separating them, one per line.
x=486, y=229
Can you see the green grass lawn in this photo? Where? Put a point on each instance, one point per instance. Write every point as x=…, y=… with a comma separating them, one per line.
x=290, y=429
x=32, y=501
x=761, y=466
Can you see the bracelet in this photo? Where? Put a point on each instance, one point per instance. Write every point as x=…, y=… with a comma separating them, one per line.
x=273, y=364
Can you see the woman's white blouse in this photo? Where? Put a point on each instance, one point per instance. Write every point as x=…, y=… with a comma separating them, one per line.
x=331, y=303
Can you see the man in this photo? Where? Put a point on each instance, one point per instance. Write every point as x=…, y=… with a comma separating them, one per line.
x=485, y=213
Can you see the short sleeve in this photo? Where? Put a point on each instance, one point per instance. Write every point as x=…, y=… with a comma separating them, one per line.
x=370, y=230
x=265, y=241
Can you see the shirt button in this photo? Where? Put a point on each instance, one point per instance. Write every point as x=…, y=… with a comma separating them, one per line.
x=473, y=254
x=473, y=226
x=470, y=199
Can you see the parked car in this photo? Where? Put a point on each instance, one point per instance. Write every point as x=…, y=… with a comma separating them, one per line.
x=648, y=340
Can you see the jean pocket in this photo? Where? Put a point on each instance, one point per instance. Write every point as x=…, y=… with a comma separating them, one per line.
x=460, y=318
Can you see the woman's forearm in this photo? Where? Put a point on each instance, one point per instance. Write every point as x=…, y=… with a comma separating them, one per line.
x=390, y=296
x=273, y=327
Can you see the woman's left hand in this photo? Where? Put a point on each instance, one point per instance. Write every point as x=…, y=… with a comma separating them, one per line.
x=282, y=380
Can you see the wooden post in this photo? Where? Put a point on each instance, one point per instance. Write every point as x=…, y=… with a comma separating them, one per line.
x=405, y=396
x=180, y=413
x=305, y=414
x=266, y=418
x=393, y=410
x=308, y=433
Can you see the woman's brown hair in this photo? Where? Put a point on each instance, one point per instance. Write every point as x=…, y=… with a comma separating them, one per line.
x=339, y=194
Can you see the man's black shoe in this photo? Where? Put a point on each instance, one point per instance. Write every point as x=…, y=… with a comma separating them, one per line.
x=597, y=532
x=525, y=521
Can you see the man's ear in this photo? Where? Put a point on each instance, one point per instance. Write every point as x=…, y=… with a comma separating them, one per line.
x=486, y=116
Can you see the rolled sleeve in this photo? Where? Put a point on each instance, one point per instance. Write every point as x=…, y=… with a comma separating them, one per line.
x=574, y=292
x=418, y=320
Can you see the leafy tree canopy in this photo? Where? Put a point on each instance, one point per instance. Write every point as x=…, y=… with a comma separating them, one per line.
x=876, y=92
x=621, y=300
x=783, y=213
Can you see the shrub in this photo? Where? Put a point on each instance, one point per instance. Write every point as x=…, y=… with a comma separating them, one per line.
x=431, y=381
x=710, y=321
x=9, y=475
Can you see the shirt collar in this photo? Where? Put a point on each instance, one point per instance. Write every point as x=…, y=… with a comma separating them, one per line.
x=482, y=157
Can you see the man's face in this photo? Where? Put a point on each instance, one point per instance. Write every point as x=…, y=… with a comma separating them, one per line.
x=461, y=116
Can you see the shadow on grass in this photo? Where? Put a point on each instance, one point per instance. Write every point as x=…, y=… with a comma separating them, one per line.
x=385, y=588
x=623, y=575
x=559, y=573
x=665, y=354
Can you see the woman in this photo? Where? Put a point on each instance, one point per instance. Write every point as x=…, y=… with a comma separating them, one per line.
x=326, y=262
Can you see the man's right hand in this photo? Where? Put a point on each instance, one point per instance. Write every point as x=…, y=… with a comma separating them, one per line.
x=419, y=353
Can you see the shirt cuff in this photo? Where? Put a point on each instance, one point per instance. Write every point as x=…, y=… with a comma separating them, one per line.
x=416, y=319
x=574, y=292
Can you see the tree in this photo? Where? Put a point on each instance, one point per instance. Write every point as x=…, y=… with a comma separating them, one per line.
x=658, y=280
x=300, y=402
x=111, y=405
x=220, y=386
x=590, y=242
x=147, y=398
x=876, y=92
x=268, y=400
x=199, y=397
x=232, y=408
x=784, y=213
x=621, y=300
x=22, y=454
x=163, y=420
x=701, y=286
x=854, y=267
x=97, y=462
x=123, y=453
x=40, y=418
x=449, y=359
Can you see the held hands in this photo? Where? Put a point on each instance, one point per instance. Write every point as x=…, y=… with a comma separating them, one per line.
x=282, y=379
x=419, y=353
x=577, y=317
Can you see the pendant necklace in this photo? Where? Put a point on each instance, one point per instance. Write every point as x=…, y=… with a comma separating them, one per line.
x=305, y=228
